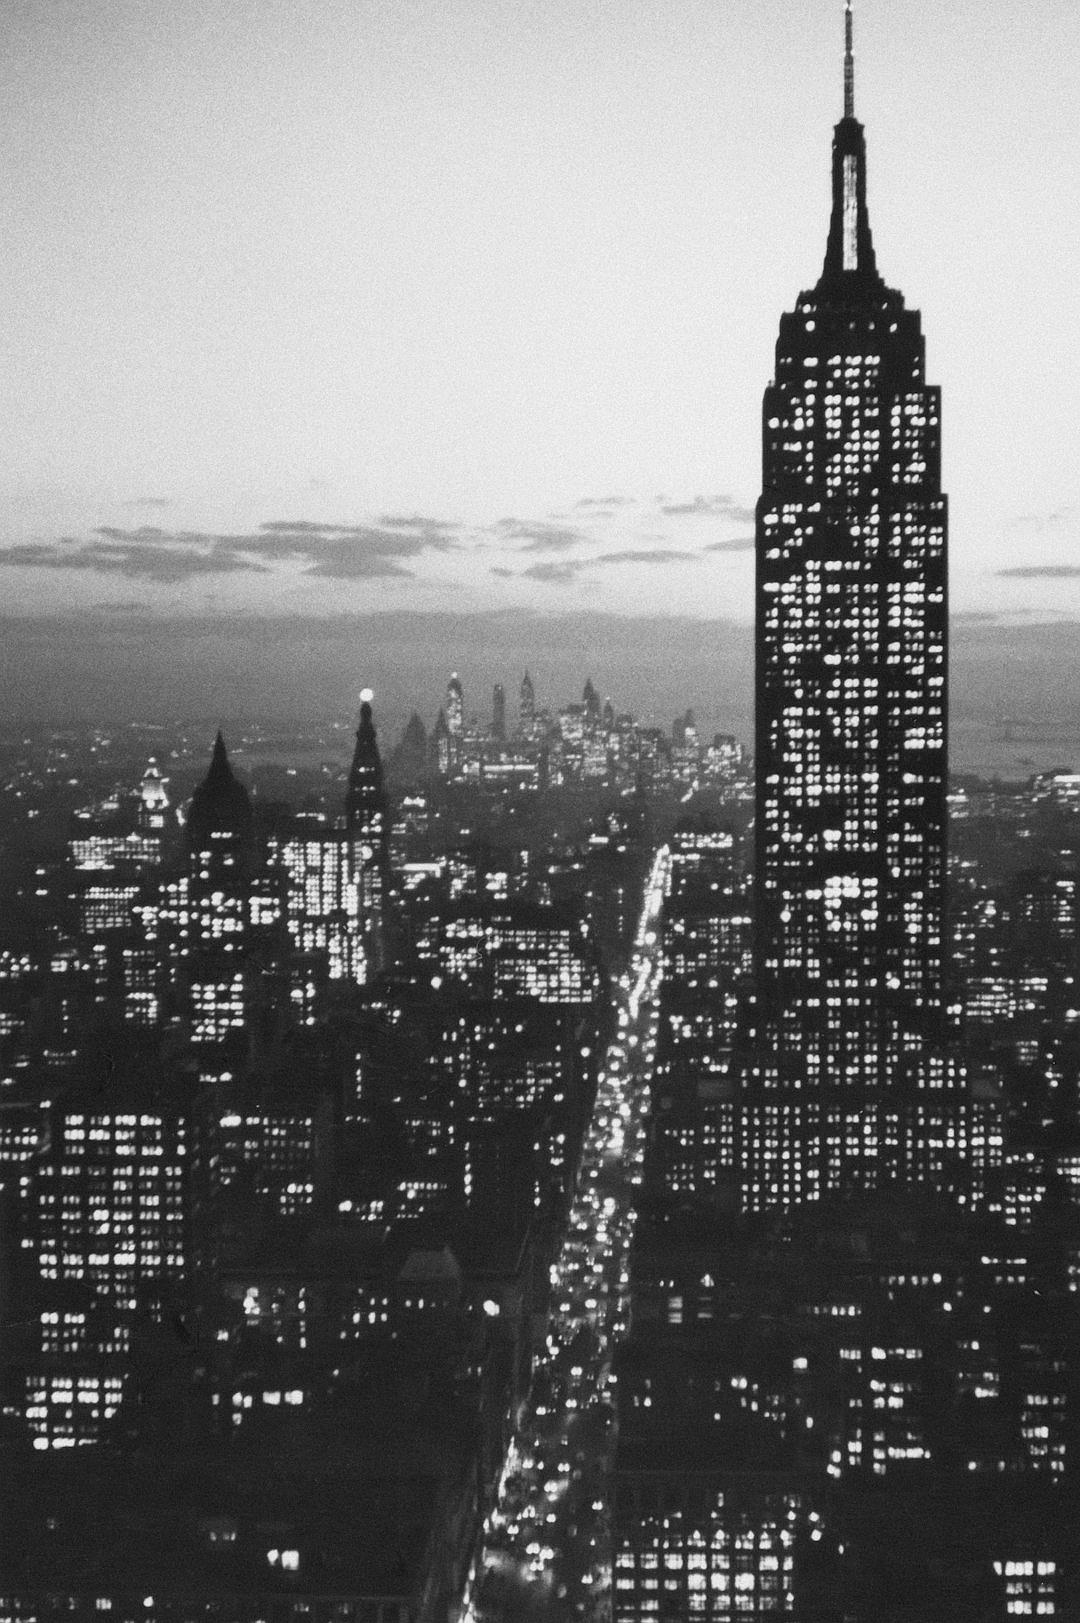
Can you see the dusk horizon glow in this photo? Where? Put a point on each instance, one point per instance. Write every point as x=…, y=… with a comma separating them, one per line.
x=419, y=307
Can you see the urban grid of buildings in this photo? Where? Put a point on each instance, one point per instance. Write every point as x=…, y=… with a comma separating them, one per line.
x=571, y=1169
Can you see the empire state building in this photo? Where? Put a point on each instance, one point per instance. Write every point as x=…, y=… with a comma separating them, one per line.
x=851, y=742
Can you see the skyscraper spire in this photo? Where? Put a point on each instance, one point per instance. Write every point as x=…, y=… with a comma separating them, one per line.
x=220, y=807
x=850, y=267
x=365, y=797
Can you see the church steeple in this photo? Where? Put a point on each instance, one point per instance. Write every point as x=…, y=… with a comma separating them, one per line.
x=220, y=807
x=850, y=267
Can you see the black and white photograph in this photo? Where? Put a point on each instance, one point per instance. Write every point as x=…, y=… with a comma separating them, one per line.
x=539, y=811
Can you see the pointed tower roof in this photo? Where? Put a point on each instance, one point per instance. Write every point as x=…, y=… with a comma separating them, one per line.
x=365, y=794
x=850, y=269
x=415, y=733
x=220, y=805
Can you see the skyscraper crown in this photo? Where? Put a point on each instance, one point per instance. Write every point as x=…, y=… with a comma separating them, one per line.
x=220, y=805
x=365, y=792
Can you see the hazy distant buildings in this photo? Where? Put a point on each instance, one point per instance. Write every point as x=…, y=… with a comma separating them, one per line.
x=526, y=707
x=455, y=706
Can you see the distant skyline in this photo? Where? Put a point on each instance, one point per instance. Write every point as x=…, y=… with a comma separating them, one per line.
x=417, y=306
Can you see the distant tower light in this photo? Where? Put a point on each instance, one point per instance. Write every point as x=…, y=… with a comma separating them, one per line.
x=367, y=695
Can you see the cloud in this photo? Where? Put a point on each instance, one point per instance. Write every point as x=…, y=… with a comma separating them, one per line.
x=416, y=521
x=290, y=536
x=387, y=539
x=302, y=534
x=538, y=537
x=554, y=574
x=133, y=560
x=148, y=552
x=564, y=570
x=708, y=507
x=346, y=562
x=646, y=555
x=31, y=555
x=148, y=501
x=605, y=501
x=299, y=526
x=330, y=551
x=738, y=543
x=319, y=545
x=1040, y=572
x=507, y=574
x=145, y=532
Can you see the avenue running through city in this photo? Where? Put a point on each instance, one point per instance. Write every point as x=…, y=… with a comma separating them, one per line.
x=545, y=1549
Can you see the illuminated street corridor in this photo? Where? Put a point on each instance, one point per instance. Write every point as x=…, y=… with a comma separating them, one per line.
x=544, y=1551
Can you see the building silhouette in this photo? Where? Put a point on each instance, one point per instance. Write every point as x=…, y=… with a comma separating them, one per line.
x=217, y=920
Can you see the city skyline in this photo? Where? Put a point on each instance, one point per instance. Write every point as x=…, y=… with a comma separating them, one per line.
x=504, y=353
x=578, y=1154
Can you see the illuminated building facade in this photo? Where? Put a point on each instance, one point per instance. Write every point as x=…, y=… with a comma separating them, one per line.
x=440, y=745
x=455, y=706
x=110, y=1236
x=367, y=826
x=114, y=847
x=706, y=943
x=514, y=948
x=851, y=694
x=221, y=841
x=322, y=908
x=703, y=1552
x=153, y=800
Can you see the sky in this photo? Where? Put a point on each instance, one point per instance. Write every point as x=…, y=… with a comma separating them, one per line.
x=464, y=308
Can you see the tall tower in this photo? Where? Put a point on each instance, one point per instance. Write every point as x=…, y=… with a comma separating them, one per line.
x=498, y=713
x=367, y=832
x=221, y=860
x=527, y=706
x=455, y=706
x=153, y=800
x=851, y=693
